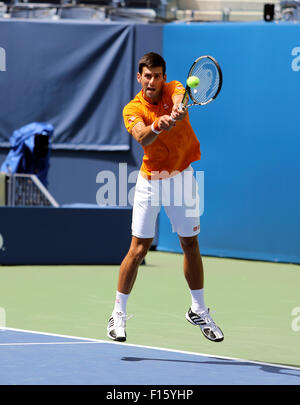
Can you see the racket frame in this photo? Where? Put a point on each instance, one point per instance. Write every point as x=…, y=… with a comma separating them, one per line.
x=188, y=91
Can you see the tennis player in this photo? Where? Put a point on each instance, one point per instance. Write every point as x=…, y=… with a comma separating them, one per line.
x=170, y=146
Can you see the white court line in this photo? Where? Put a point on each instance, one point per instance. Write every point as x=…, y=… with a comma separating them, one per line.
x=45, y=343
x=91, y=340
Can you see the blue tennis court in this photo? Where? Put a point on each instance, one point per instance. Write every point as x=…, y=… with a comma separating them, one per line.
x=34, y=358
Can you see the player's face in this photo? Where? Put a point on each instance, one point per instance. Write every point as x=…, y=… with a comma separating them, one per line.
x=152, y=81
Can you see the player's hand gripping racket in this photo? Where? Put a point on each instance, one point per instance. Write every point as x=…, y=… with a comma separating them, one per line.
x=204, y=82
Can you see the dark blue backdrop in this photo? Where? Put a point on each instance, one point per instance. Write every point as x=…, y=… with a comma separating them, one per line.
x=76, y=75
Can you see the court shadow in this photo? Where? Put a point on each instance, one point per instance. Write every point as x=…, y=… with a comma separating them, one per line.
x=264, y=367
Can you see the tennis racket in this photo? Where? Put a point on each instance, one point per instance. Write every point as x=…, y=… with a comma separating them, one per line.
x=208, y=71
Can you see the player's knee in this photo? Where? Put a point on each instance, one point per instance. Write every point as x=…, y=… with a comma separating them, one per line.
x=189, y=244
x=139, y=252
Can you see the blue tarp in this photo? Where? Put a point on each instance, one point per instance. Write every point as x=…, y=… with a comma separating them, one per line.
x=29, y=152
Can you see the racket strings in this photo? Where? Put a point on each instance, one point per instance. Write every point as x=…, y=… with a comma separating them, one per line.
x=209, y=76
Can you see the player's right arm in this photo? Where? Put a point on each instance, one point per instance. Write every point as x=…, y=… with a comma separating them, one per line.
x=145, y=135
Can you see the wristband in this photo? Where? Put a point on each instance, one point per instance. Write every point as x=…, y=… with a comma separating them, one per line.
x=153, y=129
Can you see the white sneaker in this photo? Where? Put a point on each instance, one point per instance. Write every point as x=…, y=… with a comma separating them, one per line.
x=208, y=327
x=116, y=326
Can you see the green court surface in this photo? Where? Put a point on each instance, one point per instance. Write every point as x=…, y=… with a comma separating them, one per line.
x=253, y=303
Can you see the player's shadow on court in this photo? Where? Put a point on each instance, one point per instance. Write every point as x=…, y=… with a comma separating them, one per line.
x=263, y=367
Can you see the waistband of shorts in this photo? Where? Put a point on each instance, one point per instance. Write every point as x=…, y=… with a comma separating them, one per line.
x=175, y=173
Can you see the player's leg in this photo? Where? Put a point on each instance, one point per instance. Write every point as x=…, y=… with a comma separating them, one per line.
x=185, y=219
x=198, y=314
x=192, y=262
x=144, y=216
x=130, y=264
x=193, y=271
x=127, y=276
x=182, y=208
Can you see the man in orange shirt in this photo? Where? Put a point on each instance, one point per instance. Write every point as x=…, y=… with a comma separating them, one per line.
x=170, y=145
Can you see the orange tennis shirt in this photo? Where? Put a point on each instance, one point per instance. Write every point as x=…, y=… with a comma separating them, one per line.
x=172, y=150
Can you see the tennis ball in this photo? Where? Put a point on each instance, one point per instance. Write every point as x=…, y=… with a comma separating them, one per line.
x=193, y=81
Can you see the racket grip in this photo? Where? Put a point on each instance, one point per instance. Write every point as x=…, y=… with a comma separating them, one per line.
x=181, y=107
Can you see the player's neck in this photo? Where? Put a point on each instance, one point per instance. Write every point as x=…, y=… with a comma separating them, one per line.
x=150, y=100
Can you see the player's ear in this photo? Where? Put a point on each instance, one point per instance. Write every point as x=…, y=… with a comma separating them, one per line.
x=165, y=77
x=138, y=77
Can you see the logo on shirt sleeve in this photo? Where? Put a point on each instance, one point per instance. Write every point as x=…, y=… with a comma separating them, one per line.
x=131, y=119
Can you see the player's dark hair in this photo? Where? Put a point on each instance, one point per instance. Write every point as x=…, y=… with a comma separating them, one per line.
x=151, y=60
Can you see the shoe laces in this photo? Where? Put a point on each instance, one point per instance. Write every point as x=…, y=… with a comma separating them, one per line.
x=208, y=319
x=120, y=319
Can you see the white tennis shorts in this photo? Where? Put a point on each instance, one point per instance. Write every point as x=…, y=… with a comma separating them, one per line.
x=179, y=195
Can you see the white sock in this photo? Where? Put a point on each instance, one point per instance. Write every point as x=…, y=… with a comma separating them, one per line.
x=198, y=300
x=121, y=302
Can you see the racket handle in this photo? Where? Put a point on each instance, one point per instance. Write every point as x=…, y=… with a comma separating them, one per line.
x=181, y=107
